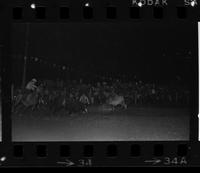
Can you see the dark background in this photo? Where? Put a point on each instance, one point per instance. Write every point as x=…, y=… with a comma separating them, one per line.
x=154, y=52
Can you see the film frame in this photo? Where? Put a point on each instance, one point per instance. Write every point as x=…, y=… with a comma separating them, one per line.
x=184, y=153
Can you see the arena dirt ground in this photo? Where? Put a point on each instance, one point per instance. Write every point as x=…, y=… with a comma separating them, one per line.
x=133, y=124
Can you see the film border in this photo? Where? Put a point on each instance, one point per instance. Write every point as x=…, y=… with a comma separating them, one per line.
x=77, y=158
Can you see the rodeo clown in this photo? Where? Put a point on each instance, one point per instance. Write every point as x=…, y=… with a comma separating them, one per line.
x=85, y=102
x=31, y=86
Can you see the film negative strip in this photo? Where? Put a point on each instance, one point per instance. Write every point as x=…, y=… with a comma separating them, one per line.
x=93, y=83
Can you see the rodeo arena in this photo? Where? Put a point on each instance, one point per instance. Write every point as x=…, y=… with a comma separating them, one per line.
x=101, y=109
x=106, y=95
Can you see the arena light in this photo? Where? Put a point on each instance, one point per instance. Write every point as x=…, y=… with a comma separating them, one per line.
x=33, y=6
x=140, y=4
x=87, y=4
x=36, y=59
x=3, y=159
x=64, y=68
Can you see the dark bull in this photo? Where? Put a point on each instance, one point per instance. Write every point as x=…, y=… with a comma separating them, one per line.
x=116, y=101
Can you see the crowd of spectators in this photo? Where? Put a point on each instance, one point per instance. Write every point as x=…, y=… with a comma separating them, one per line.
x=134, y=92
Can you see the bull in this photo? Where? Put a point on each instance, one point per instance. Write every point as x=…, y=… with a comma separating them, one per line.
x=116, y=101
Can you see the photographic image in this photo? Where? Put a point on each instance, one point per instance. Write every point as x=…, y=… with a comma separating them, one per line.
x=101, y=81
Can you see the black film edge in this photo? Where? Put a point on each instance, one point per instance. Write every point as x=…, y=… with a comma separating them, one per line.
x=116, y=83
